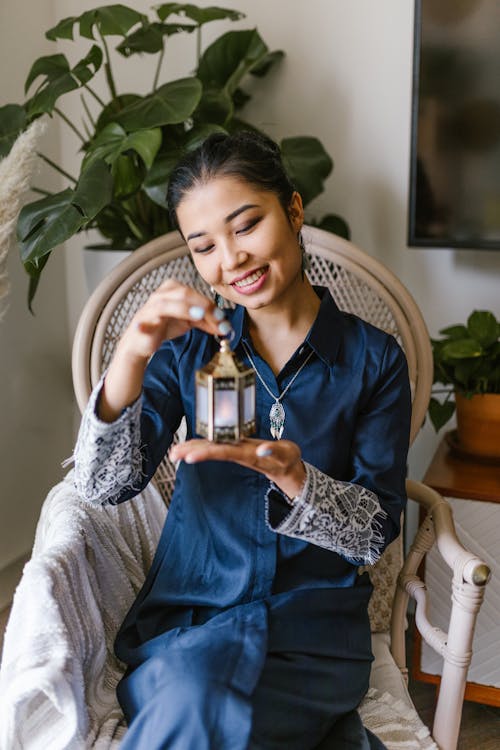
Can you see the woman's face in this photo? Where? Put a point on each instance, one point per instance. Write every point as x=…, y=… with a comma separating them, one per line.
x=241, y=240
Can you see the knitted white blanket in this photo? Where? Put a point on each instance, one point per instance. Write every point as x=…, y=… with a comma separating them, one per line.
x=58, y=673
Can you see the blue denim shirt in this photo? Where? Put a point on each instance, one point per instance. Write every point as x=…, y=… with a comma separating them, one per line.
x=348, y=410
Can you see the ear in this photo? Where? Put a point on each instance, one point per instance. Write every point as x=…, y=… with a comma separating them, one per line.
x=296, y=211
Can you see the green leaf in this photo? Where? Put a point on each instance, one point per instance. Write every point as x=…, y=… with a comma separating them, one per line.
x=227, y=60
x=440, y=413
x=214, y=106
x=465, y=369
x=111, y=20
x=12, y=123
x=94, y=189
x=461, y=349
x=127, y=176
x=59, y=78
x=156, y=181
x=46, y=223
x=307, y=165
x=172, y=103
x=240, y=98
x=197, y=135
x=34, y=278
x=63, y=30
x=335, y=224
x=455, y=332
x=150, y=38
x=263, y=67
x=482, y=326
x=113, y=141
x=199, y=15
x=111, y=110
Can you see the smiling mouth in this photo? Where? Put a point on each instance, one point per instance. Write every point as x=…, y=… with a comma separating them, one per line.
x=251, y=279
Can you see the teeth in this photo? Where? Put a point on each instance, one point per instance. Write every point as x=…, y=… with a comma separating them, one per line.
x=250, y=279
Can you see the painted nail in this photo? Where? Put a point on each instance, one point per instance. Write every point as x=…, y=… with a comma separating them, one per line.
x=219, y=314
x=225, y=327
x=196, y=312
x=264, y=452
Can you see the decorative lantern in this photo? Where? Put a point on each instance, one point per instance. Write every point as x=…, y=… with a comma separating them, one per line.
x=225, y=398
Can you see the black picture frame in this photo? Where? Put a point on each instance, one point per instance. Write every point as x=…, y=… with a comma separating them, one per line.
x=437, y=222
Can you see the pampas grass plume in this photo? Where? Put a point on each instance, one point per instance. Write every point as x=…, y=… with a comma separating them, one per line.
x=15, y=174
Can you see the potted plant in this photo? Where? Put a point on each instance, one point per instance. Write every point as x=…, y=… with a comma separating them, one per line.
x=467, y=366
x=129, y=142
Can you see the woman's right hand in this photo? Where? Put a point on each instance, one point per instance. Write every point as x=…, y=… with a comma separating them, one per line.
x=170, y=311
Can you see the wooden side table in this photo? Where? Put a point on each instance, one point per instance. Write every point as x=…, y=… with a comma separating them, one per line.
x=473, y=489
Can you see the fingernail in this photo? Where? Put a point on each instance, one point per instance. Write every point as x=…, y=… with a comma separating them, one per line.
x=264, y=452
x=219, y=314
x=225, y=327
x=196, y=312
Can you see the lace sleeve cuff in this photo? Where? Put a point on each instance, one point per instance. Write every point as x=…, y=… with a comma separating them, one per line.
x=340, y=516
x=107, y=455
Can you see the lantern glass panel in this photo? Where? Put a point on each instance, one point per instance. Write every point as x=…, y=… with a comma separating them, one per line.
x=225, y=407
x=202, y=403
x=249, y=403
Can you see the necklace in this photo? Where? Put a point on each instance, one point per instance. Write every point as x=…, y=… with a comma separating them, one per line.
x=277, y=412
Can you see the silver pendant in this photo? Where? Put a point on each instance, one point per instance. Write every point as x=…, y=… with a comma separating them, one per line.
x=277, y=418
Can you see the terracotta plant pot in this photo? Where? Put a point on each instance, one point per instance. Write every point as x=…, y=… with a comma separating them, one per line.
x=478, y=423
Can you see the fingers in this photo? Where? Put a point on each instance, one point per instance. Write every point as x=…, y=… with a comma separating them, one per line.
x=177, y=302
x=264, y=456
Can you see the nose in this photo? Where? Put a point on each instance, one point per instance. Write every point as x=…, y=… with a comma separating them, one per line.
x=232, y=257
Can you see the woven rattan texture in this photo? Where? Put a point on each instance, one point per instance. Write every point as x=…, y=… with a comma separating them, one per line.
x=351, y=294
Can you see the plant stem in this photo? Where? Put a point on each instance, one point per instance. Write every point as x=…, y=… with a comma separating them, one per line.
x=107, y=67
x=198, y=45
x=87, y=111
x=96, y=97
x=56, y=167
x=41, y=191
x=157, y=72
x=68, y=122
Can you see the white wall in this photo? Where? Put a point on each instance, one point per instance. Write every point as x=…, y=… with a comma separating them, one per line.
x=35, y=384
x=346, y=78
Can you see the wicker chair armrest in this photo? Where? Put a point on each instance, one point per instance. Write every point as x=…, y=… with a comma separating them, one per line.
x=469, y=577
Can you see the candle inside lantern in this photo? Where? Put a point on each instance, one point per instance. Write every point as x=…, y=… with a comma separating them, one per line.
x=225, y=408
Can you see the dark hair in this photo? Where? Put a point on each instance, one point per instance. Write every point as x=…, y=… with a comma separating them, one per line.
x=249, y=155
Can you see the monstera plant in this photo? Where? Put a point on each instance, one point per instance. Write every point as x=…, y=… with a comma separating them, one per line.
x=129, y=142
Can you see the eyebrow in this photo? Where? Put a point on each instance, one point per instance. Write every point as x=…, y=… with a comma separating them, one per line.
x=228, y=218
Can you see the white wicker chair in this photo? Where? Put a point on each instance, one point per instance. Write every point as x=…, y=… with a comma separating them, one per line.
x=360, y=285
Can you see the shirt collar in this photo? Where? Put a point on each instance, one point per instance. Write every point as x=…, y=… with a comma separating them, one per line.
x=324, y=335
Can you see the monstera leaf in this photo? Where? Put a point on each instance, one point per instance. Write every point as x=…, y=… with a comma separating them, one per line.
x=307, y=164
x=232, y=56
x=59, y=78
x=170, y=104
x=109, y=20
x=46, y=223
x=200, y=16
x=149, y=38
x=12, y=122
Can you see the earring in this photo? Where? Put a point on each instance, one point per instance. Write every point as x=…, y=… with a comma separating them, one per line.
x=218, y=299
x=305, y=260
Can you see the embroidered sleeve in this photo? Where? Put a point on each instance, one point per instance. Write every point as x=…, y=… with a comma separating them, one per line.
x=107, y=455
x=340, y=516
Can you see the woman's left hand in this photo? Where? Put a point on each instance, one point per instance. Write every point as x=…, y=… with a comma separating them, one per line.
x=280, y=461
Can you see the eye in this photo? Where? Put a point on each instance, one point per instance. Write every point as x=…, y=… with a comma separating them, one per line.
x=248, y=226
x=203, y=249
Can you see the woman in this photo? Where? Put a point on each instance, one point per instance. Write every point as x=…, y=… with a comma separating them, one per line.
x=251, y=630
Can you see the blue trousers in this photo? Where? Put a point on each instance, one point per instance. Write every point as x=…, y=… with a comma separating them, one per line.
x=223, y=686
